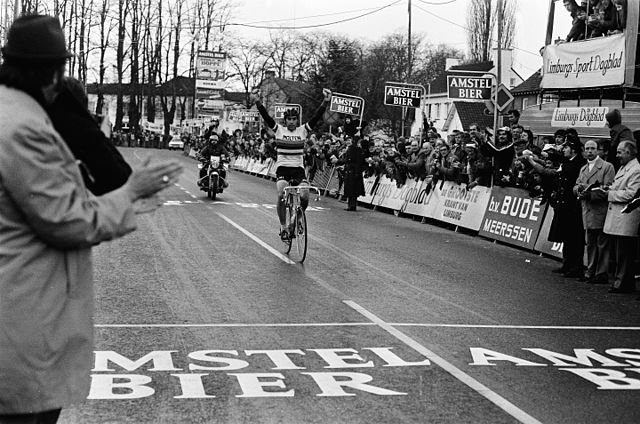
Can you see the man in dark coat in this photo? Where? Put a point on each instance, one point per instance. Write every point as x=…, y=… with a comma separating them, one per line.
x=353, y=181
x=103, y=167
x=617, y=132
x=566, y=226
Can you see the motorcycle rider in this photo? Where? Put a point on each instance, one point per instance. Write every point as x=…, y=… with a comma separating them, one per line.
x=214, y=147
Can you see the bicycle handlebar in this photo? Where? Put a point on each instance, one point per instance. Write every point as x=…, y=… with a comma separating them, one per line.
x=302, y=187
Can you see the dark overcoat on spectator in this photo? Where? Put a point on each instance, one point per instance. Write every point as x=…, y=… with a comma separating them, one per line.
x=107, y=169
x=353, y=166
x=567, y=218
x=502, y=160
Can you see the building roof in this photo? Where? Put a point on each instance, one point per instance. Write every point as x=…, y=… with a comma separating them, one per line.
x=439, y=85
x=235, y=96
x=530, y=86
x=297, y=91
x=472, y=112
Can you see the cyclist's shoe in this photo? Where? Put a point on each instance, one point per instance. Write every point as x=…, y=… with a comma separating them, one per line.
x=292, y=230
x=284, y=235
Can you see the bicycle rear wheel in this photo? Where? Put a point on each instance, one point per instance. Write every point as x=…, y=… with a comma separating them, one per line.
x=301, y=235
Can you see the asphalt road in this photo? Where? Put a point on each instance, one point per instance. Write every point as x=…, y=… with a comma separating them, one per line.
x=200, y=318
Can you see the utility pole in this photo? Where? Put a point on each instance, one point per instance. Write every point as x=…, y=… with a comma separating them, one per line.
x=409, y=46
x=499, y=65
x=404, y=109
x=17, y=9
x=552, y=11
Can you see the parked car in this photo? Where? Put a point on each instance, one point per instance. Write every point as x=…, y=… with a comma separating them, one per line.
x=176, y=142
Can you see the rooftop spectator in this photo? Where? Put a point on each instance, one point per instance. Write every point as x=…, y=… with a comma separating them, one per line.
x=621, y=16
x=603, y=20
x=578, y=23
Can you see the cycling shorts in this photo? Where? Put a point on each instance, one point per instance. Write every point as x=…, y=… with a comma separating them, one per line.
x=293, y=175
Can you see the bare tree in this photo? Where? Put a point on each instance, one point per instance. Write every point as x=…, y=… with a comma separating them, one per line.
x=482, y=20
x=135, y=93
x=278, y=51
x=123, y=9
x=105, y=25
x=248, y=64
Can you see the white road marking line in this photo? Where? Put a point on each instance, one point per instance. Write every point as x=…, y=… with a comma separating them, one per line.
x=273, y=251
x=466, y=379
x=393, y=324
x=320, y=324
x=515, y=327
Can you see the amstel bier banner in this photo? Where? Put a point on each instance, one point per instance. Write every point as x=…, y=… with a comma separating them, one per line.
x=597, y=62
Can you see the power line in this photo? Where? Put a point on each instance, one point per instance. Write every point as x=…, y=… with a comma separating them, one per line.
x=436, y=3
x=251, y=24
x=318, y=25
x=469, y=30
x=312, y=16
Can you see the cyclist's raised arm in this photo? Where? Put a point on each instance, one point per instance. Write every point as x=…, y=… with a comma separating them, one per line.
x=271, y=123
x=320, y=111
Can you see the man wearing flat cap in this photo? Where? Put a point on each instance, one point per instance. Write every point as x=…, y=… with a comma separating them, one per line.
x=48, y=223
x=566, y=226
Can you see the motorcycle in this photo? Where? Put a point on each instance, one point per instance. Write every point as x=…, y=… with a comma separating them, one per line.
x=213, y=182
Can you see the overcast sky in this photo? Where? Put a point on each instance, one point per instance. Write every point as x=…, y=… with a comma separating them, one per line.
x=441, y=21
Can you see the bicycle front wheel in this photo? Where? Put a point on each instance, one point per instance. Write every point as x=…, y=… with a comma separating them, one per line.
x=301, y=235
x=289, y=221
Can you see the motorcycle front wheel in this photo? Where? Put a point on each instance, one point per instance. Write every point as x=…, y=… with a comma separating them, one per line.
x=213, y=187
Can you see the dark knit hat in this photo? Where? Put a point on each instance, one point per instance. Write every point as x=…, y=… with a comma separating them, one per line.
x=613, y=117
x=36, y=39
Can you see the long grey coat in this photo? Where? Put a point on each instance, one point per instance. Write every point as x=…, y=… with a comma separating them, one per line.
x=594, y=210
x=48, y=223
x=623, y=189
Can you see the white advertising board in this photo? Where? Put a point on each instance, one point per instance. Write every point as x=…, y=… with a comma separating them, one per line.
x=459, y=206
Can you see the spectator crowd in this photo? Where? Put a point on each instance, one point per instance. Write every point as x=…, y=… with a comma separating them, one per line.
x=595, y=18
x=580, y=179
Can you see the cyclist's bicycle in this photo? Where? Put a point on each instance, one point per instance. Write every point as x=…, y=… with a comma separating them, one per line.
x=296, y=220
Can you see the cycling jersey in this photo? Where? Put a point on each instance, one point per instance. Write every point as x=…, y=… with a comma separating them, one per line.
x=290, y=145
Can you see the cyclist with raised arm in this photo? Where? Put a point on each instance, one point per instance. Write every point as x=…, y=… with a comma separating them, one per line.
x=290, y=139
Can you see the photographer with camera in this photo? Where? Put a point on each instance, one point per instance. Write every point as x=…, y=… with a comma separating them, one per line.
x=445, y=166
x=566, y=226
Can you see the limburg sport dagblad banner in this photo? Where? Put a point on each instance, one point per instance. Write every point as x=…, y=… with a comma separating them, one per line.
x=596, y=62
